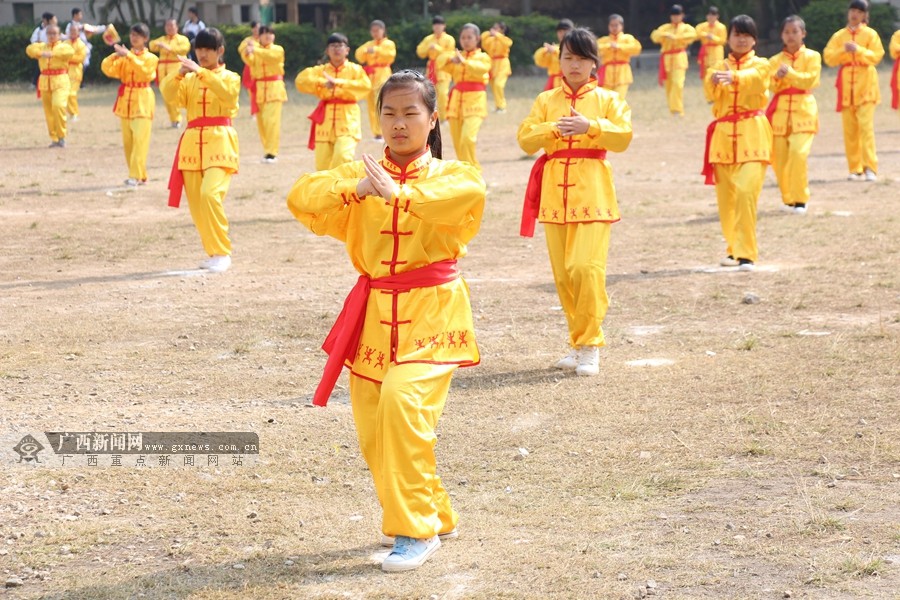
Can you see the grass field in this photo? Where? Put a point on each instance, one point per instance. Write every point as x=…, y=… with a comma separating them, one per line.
x=727, y=449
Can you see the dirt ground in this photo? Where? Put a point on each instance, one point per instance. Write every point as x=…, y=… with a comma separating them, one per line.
x=727, y=449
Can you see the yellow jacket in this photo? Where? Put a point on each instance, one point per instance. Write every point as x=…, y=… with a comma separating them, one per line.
x=178, y=45
x=267, y=70
x=549, y=59
x=674, y=54
x=577, y=190
x=795, y=113
x=617, y=60
x=136, y=71
x=352, y=84
x=749, y=138
x=497, y=47
x=858, y=77
x=206, y=94
x=58, y=64
x=378, y=64
x=474, y=69
x=437, y=212
x=711, y=50
x=76, y=63
x=445, y=43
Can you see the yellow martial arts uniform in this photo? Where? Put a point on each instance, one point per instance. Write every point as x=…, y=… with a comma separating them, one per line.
x=578, y=198
x=135, y=105
x=858, y=92
x=497, y=47
x=467, y=106
x=53, y=84
x=615, y=71
x=377, y=65
x=794, y=116
x=673, y=62
x=267, y=70
x=740, y=148
x=712, y=49
x=548, y=58
x=430, y=48
x=207, y=153
x=413, y=338
x=76, y=74
x=336, y=137
x=894, y=48
x=179, y=45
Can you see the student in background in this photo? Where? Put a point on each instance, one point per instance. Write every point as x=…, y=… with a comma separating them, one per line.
x=76, y=70
x=376, y=57
x=53, y=81
x=674, y=38
x=496, y=43
x=547, y=56
x=616, y=50
x=266, y=60
x=246, y=78
x=712, y=35
x=170, y=47
x=432, y=46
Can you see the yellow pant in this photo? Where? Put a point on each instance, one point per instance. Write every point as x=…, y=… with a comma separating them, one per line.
x=334, y=154
x=268, y=122
x=675, y=91
x=789, y=163
x=72, y=103
x=55, y=112
x=174, y=112
x=859, y=137
x=465, y=133
x=498, y=87
x=136, y=140
x=372, y=105
x=737, y=192
x=443, y=96
x=578, y=254
x=622, y=90
x=395, y=422
x=205, y=192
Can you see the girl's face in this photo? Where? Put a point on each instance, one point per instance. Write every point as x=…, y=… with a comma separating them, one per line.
x=337, y=53
x=171, y=28
x=676, y=19
x=576, y=69
x=855, y=17
x=209, y=58
x=615, y=27
x=468, y=40
x=267, y=39
x=377, y=33
x=52, y=34
x=792, y=36
x=137, y=41
x=741, y=43
x=406, y=122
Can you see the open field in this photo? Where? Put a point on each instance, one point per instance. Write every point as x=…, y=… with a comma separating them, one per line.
x=760, y=458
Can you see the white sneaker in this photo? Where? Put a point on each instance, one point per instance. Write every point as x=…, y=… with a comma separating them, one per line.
x=728, y=261
x=870, y=175
x=388, y=542
x=800, y=210
x=856, y=177
x=409, y=553
x=588, y=361
x=269, y=159
x=131, y=182
x=746, y=265
x=568, y=362
x=217, y=263
x=73, y=119
x=176, y=124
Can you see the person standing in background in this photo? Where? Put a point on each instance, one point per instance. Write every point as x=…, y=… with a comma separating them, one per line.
x=246, y=78
x=192, y=27
x=376, y=57
x=674, y=38
x=497, y=43
x=616, y=50
x=170, y=47
x=432, y=46
x=53, y=83
x=266, y=61
x=76, y=69
x=712, y=35
x=547, y=56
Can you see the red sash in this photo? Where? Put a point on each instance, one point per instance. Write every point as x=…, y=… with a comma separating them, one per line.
x=532, y=205
x=601, y=72
x=663, y=75
x=343, y=340
x=49, y=72
x=701, y=58
x=466, y=86
x=708, y=169
x=895, y=94
x=431, y=72
x=176, y=178
x=318, y=117
x=122, y=87
x=248, y=82
x=369, y=69
x=773, y=104
x=839, y=84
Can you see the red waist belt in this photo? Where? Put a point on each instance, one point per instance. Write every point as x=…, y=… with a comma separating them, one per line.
x=601, y=72
x=773, y=104
x=708, y=169
x=431, y=72
x=662, y=75
x=466, y=86
x=343, y=339
x=369, y=69
x=271, y=78
x=895, y=93
x=318, y=117
x=176, y=177
x=167, y=61
x=701, y=58
x=532, y=204
x=122, y=87
x=50, y=72
x=498, y=57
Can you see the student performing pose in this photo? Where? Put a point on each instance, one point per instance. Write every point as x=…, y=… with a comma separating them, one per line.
x=53, y=82
x=571, y=190
x=674, y=37
x=376, y=56
x=246, y=77
x=712, y=35
x=207, y=154
x=856, y=50
x=76, y=70
x=467, y=106
x=407, y=324
x=266, y=61
x=339, y=85
x=170, y=47
x=616, y=50
x=793, y=113
x=136, y=102
x=432, y=46
x=547, y=56
x=497, y=43
x=739, y=141
x=86, y=31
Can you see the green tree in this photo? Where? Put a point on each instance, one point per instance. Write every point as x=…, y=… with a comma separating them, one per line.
x=824, y=17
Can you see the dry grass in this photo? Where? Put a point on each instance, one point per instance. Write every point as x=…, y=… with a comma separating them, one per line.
x=762, y=459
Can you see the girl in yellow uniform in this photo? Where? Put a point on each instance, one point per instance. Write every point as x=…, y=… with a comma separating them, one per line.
x=339, y=85
x=712, y=35
x=793, y=113
x=376, y=56
x=497, y=43
x=246, y=76
x=53, y=83
x=571, y=190
x=467, y=106
x=207, y=153
x=136, y=103
x=76, y=69
x=616, y=50
x=407, y=324
x=266, y=61
x=856, y=50
x=170, y=47
x=547, y=56
x=739, y=141
x=674, y=37
x=430, y=48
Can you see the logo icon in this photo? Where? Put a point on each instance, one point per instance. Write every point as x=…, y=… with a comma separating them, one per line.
x=27, y=449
